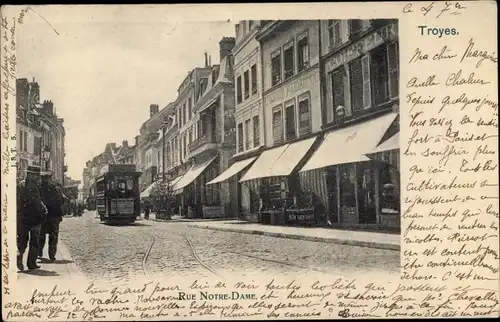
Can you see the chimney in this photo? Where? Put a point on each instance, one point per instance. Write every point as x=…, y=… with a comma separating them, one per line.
x=48, y=107
x=206, y=60
x=226, y=45
x=210, y=60
x=125, y=144
x=153, y=109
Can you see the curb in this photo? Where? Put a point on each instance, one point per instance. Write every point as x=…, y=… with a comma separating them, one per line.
x=72, y=268
x=193, y=220
x=359, y=243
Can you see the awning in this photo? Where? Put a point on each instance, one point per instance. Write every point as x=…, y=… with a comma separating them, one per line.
x=290, y=158
x=147, y=192
x=191, y=175
x=261, y=167
x=233, y=170
x=350, y=144
x=391, y=143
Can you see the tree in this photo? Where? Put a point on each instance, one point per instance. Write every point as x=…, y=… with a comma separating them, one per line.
x=160, y=197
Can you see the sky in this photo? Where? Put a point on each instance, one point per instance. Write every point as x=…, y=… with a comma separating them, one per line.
x=102, y=70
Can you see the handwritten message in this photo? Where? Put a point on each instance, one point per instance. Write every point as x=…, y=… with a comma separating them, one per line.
x=449, y=152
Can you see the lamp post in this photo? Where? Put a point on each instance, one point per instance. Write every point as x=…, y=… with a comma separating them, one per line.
x=46, y=157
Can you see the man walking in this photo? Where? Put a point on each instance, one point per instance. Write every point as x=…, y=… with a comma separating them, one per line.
x=53, y=199
x=31, y=213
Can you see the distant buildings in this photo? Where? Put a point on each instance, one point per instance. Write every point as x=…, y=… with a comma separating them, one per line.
x=40, y=132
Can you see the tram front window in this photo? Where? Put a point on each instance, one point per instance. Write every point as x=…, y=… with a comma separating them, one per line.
x=124, y=186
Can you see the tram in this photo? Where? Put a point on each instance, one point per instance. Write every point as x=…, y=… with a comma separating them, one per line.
x=117, y=194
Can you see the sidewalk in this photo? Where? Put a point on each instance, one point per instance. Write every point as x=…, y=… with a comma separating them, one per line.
x=176, y=218
x=62, y=269
x=326, y=235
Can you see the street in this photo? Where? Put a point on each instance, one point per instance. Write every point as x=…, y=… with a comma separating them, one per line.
x=168, y=249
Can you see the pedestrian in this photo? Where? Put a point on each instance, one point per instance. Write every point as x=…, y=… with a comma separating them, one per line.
x=53, y=199
x=31, y=213
x=146, y=210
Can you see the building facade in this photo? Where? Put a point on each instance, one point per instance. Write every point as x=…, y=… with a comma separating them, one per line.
x=360, y=85
x=39, y=129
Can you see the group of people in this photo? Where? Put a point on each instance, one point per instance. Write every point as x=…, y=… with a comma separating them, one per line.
x=40, y=208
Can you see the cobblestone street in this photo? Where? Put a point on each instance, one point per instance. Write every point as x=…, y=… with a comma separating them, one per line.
x=120, y=253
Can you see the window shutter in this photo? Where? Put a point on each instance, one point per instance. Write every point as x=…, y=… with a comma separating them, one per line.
x=277, y=127
x=338, y=89
x=365, y=62
x=304, y=117
x=336, y=27
x=356, y=81
x=256, y=131
x=393, y=66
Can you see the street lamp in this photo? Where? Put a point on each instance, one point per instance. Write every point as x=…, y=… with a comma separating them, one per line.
x=46, y=157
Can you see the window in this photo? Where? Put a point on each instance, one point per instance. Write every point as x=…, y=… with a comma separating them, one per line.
x=303, y=52
x=238, y=90
x=253, y=72
x=337, y=79
x=179, y=116
x=276, y=67
x=277, y=125
x=25, y=141
x=240, y=137
x=356, y=80
x=290, y=131
x=184, y=119
x=304, y=116
x=189, y=108
x=246, y=81
x=37, y=145
x=247, y=135
x=288, y=60
x=355, y=26
x=334, y=33
x=190, y=135
x=393, y=68
x=379, y=75
x=256, y=131
x=184, y=147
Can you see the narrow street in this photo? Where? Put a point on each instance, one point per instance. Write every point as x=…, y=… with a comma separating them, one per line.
x=168, y=249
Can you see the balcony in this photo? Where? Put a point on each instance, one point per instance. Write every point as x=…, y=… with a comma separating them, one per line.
x=206, y=142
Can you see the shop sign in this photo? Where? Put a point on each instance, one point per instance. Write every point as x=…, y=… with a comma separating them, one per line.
x=294, y=88
x=374, y=39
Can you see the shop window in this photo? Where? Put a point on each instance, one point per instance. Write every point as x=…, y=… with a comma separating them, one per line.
x=304, y=116
x=379, y=75
x=238, y=90
x=276, y=67
x=389, y=191
x=356, y=81
x=288, y=60
x=247, y=135
x=256, y=131
x=334, y=33
x=347, y=185
x=393, y=69
x=303, y=52
x=291, y=132
x=337, y=80
x=253, y=71
x=246, y=81
x=277, y=125
x=240, y=137
x=355, y=26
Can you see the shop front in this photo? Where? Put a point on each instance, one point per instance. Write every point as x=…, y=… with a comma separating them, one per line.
x=194, y=196
x=273, y=177
x=353, y=187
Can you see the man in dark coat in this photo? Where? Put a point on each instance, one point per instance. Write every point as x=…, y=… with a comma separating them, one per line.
x=53, y=199
x=31, y=213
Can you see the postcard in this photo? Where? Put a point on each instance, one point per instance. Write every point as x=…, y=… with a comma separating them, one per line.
x=187, y=162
